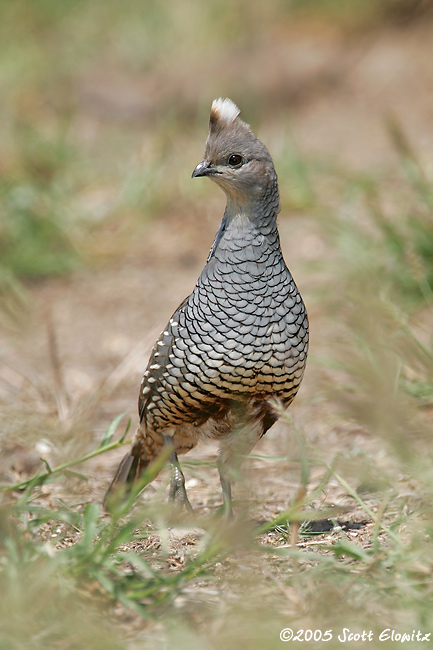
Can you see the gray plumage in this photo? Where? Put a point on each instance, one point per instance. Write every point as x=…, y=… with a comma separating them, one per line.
x=240, y=338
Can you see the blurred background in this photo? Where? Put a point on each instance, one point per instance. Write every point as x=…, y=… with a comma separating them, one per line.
x=104, y=112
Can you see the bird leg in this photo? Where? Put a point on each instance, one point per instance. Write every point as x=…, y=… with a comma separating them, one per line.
x=177, y=491
x=246, y=431
x=227, y=493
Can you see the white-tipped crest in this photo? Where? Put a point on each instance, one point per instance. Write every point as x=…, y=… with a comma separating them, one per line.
x=224, y=110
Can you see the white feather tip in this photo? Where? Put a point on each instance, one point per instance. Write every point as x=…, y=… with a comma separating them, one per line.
x=224, y=110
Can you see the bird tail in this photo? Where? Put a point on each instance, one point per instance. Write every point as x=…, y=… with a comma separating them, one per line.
x=128, y=473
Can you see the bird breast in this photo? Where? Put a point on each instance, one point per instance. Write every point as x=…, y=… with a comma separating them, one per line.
x=241, y=334
x=244, y=328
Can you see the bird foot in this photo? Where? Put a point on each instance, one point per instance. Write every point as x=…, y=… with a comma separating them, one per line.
x=177, y=492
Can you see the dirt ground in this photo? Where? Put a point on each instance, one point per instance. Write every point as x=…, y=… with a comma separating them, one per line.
x=79, y=351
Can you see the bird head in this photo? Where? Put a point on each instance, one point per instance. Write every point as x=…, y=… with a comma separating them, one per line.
x=235, y=159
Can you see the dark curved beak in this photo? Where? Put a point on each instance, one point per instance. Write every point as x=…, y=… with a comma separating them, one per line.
x=204, y=169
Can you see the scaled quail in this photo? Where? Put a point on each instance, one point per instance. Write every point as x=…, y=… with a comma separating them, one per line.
x=239, y=339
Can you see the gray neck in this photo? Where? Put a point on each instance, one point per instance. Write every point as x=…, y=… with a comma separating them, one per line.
x=260, y=205
x=243, y=217
x=258, y=215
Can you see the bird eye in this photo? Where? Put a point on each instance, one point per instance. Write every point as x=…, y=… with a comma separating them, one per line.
x=235, y=160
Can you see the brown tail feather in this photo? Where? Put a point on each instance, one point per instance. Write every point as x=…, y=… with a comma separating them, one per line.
x=130, y=469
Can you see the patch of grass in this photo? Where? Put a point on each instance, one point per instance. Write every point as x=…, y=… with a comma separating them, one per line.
x=384, y=350
x=87, y=564
x=385, y=227
x=299, y=193
x=368, y=14
x=386, y=297
x=34, y=239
